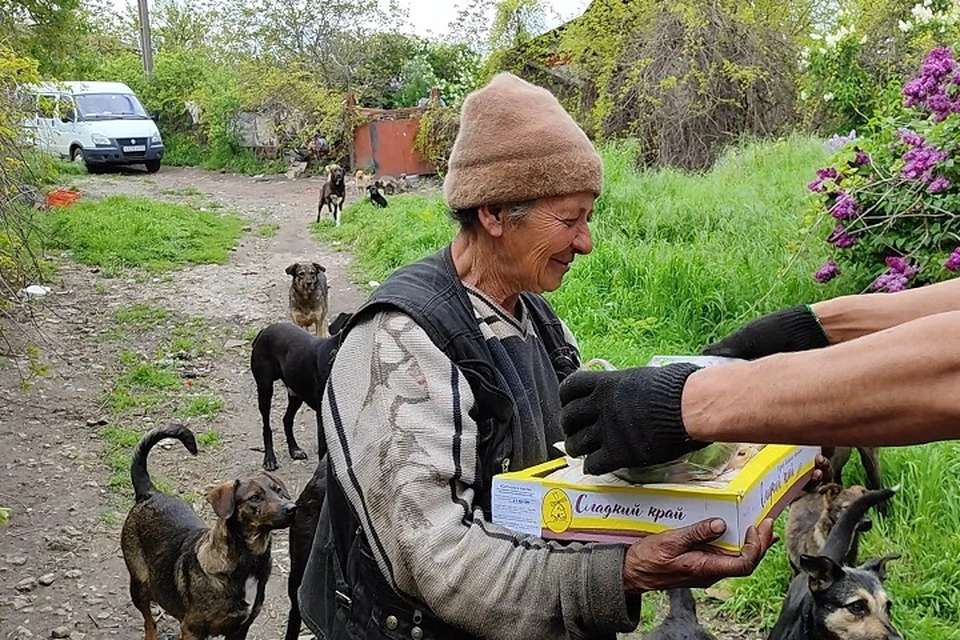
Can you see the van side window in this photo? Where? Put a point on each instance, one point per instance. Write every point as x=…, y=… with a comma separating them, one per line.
x=68, y=109
x=47, y=106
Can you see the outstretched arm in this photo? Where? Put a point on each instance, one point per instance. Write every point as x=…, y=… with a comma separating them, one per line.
x=895, y=386
x=849, y=317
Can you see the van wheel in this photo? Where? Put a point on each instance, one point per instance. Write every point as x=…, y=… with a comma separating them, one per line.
x=76, y=154
x=152, y=165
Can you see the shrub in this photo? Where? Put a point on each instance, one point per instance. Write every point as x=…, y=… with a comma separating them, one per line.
x=436, y=134
x=891, y=199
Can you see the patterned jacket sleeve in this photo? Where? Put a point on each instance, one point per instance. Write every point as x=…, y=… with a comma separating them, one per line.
x=399, y=412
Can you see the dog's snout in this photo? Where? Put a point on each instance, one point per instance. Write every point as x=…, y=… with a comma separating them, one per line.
x=290, y=508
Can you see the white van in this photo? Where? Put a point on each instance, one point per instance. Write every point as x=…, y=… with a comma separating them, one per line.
x=97, y=123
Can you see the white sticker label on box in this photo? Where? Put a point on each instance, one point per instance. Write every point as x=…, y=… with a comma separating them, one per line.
x=517, y=506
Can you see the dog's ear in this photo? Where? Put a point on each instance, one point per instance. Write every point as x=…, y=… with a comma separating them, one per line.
x=292, y=268
x=821, y=571
x=319, y=267
x=223, y=499
x=878, y=566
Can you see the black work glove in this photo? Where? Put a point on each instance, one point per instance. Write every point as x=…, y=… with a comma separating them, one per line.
x=791, y=329
x=628, y=418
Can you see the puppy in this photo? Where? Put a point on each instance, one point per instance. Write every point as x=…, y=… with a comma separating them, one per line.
x=681, y=622
x=813, y=516
x=333, y=193
x=307, y=300
x=830, y=601
x=284, y=352
x=375, y=194
x=211, y=579
x=362, y=181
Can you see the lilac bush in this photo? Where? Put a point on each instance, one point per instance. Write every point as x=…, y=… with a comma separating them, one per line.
x=891, y=198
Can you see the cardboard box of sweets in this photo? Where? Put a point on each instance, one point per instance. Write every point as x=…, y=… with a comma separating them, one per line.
x=556, y=500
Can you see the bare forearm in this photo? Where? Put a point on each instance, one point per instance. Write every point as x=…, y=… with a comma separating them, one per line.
x=897, y=386
x=849, y=317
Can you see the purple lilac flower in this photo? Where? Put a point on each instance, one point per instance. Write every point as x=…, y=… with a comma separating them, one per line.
x=840, y=238
x=862, y=158
x=911, y=138
x=929, y=92
x=898, y=274
x=845, y=207
x=826, y=173
x=939, y=185
x=837, y=141
x=953, y=262
x=920, y=162
x=827, y=272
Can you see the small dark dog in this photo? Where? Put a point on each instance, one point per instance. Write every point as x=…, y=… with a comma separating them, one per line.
x=308, y=297
x=333, y=193
x=830, y=601
x=211, y=579
x=376, y=195
x=813, y=516
x=681, y=622
x=284, y=352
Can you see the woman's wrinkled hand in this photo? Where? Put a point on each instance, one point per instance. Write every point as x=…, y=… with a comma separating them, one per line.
x=684, y=558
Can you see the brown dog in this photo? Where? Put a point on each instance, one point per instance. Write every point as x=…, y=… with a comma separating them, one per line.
x=211, y=579
x=308, y=302
x=813, y=516
x=333, y=193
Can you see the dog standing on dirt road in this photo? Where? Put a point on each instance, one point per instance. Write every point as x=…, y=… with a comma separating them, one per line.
x=302, y=362
x=211, y=579
x=308, y=298
x=333, y=193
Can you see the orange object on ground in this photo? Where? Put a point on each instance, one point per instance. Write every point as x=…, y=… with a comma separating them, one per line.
x=62, y=197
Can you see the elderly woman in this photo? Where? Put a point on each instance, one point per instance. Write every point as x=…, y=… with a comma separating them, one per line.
x=448, y=376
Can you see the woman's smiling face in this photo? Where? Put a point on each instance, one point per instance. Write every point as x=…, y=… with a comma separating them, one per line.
x=542, y=245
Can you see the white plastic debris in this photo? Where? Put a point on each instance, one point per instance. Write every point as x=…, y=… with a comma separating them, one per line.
x=34, y=291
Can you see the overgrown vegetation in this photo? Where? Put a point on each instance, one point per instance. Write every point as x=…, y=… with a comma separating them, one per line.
x=121, y=232
x=681, y=260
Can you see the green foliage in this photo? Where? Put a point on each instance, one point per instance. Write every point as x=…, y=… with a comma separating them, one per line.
x=436, y=134
x=852, y=68
x=120, y=232
x=888, y=201
x=681, y=260
x=684, y=78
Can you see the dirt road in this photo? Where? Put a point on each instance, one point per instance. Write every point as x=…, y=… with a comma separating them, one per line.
x=60, y=563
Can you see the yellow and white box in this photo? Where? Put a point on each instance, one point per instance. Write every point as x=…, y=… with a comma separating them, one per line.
x=555, y=500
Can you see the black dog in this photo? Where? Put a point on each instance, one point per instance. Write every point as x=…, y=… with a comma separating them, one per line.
x=284, y=351
x=333, y=193
x=211, y=579
x=681, y=622
x=376, y=197
x=830, y=601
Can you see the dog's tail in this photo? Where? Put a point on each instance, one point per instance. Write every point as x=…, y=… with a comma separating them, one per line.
x=841, y=536
x=142, y=485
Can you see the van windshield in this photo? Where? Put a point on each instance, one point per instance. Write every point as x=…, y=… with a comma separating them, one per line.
x=104, y=106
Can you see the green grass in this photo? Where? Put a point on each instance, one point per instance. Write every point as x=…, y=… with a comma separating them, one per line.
x=186, y=191
x=268, y=230
x=122, y=231
x=680, y=260
x=201, y=407
x=142, y=315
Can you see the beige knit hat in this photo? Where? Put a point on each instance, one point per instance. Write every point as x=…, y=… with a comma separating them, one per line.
x=516, y=143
